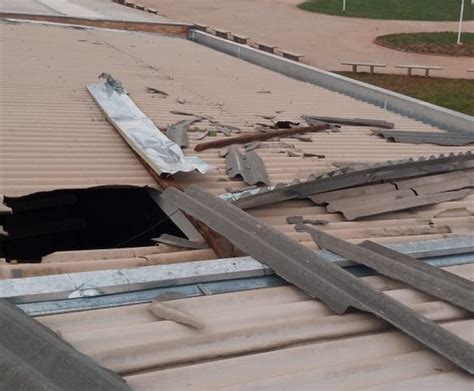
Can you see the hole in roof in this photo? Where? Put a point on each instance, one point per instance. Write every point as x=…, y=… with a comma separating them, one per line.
x=81, y=219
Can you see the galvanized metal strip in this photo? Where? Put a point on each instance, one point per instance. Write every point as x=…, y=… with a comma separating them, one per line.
x=54, y=362
x=104, y=282
x=303, y=268
x=351, y=177
x=144, y=296
x=139, y=131
x=425, y=278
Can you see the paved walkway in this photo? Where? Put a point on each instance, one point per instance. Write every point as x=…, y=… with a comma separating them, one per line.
x=324, y=40
x=102, y=9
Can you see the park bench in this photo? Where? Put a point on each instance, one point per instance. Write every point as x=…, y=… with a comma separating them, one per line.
x=242, y=39
x=200, y=27
x=140, y=7
x=152, y=11
x=266, y=47
x=370, y=65
x=471, y=70
x=129, y=3
x=291, y=56
x=427, y=68
x=222, y=33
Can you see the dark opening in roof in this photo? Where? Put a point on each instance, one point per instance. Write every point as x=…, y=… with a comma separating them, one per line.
x=82, y=219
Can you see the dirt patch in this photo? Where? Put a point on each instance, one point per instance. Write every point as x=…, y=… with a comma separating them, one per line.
x=439, y=44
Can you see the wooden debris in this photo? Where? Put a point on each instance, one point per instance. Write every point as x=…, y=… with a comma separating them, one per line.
x=246, y=138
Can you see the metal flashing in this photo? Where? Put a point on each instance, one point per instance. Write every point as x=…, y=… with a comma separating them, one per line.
x=440, y=252
x=105, y=282
x=303, y=268
x=141, y=134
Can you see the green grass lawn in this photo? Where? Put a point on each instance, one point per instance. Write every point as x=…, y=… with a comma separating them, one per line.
x=393, y=9
x=454, y=94
x=442, y=43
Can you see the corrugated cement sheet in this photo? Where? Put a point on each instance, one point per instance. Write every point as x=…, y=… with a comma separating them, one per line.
x=275, y=338
x=52, y=135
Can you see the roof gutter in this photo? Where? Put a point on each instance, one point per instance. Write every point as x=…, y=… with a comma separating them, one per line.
x=449, y=120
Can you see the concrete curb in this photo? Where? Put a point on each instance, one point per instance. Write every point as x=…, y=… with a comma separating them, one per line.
x=445, y=119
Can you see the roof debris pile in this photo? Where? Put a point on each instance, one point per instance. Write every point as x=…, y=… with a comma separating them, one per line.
x=386, y=187
x=337, y=288
x=139, y=131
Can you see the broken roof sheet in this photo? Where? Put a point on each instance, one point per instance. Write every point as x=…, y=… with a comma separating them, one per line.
x=452, y=139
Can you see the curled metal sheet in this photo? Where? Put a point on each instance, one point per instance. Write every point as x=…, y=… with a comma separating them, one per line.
x=139, y=131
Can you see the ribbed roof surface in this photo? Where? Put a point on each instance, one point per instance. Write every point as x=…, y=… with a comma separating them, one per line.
x=275, y=338
x=54, y=136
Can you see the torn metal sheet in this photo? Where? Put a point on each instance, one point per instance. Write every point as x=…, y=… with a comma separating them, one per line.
x=178, y=132
x=385, y=205
x=312, y=120
x=320, y=279
x=32, y=357
x=180, y=242
x=249, y=166
x=160, y=153
x=437, y=138
x=356, y=176
x=436, y=282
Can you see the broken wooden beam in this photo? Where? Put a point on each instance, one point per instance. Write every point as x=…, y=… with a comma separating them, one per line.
x=258, y=136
